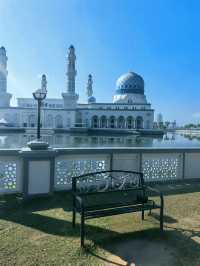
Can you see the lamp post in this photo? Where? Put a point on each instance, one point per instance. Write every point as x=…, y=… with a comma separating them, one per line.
x=39, y=95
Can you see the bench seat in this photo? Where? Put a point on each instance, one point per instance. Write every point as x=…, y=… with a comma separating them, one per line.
x=124, y=192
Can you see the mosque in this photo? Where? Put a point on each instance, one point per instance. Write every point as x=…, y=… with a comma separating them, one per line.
x=129, y=109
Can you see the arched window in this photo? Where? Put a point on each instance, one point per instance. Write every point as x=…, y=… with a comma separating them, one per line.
x=130, y=122
x=139, y=122
x=49, y=121
x=79, y=119
x=58, y=121
x=103, y=122
x=32, y=120
x=112, y=122
x=121, y=122
x=95, y=121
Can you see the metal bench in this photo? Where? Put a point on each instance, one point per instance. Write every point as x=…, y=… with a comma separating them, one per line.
x=109, y=193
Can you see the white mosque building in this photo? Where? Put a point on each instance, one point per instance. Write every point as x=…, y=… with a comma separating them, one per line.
x=129, y=109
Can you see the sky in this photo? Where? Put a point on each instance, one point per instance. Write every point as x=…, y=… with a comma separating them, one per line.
x=158, y=39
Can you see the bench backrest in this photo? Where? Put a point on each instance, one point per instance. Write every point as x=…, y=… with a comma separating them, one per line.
x=107, y=181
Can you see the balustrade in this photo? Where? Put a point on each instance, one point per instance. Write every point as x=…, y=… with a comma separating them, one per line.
x=159, y=164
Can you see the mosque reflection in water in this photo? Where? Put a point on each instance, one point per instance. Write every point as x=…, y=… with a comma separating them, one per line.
x=68, y=140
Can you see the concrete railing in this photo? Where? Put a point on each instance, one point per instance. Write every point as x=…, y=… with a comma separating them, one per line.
x=42, y=172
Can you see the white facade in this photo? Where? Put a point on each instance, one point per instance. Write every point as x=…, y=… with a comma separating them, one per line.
x=129, y=109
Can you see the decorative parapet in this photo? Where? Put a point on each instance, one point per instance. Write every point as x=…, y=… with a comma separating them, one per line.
x=42, y=172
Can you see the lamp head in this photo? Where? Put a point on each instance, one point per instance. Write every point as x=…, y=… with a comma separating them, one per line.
x=40, y=95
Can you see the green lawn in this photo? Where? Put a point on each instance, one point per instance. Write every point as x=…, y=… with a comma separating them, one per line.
x=39, y=232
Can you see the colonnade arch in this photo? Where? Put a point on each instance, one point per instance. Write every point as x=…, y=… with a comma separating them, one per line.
x=95, y=122
x=121, y=122
x=103, y=121
x=139, y=122
x=130, y=122
x=117, y=122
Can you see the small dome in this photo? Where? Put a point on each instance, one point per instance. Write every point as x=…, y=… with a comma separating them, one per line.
x=71, y=47
x=91, y=99
x=130, y=83
x=2, y=50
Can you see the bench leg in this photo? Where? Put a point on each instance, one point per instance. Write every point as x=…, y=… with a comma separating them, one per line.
x=150, y=212
x=82, y=229
x=161, y=218
x=142, y=214
x=74, y=218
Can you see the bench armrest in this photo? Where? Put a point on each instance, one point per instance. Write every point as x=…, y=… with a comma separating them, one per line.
x=158, y=192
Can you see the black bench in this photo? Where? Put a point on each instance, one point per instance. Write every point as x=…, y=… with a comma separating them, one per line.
x=113, y=192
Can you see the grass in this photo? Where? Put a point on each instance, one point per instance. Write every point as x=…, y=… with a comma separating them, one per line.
x=39, y=232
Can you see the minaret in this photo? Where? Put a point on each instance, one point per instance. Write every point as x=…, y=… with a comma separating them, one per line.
x=44, y=83
x=89, y=90
x=70, y=97
x=71, y=71
x=3, y=70
x=4, y=96
x=89, y=86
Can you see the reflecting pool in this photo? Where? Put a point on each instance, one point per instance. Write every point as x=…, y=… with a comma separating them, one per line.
x=65, y=140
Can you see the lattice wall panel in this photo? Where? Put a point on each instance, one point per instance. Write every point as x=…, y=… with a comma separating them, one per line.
x=161, y=167
x=8, y=175
x=65, y=169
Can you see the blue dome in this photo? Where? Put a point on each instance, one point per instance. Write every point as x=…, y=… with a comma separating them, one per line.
x=91, y=99
x=130, y=83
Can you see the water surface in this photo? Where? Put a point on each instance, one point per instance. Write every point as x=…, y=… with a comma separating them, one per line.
x=64, y=140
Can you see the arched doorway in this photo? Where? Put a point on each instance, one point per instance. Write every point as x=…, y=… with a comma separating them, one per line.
x=130, y=122
x=139, y=122
x=95, y=121
x=79, y=121
x=121, y=122
x=112, y=122
x=103, y=122
x=58, y=121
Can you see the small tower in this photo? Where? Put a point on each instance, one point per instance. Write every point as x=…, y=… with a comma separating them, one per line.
x=4, y=96
x=44, y=83
x=70, y=97
x=91, y=98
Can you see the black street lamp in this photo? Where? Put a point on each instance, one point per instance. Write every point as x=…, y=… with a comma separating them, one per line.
x=39, y=96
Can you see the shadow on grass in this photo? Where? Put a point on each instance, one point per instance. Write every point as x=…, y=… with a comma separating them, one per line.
x=25, y=213
x=167, y=219
x=178, y=187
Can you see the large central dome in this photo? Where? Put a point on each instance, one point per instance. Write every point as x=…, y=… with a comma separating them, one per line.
x=130, y=83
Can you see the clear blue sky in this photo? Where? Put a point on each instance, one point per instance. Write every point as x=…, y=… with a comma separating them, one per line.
x=158, y=39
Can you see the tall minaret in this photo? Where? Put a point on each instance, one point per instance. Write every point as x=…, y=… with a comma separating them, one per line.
x=70, y=97
x=3, y=70
x=89, y=90
x=4, y=96
x=71, y=70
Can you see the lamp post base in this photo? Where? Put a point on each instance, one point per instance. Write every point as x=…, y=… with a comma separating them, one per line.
x=38, y=145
